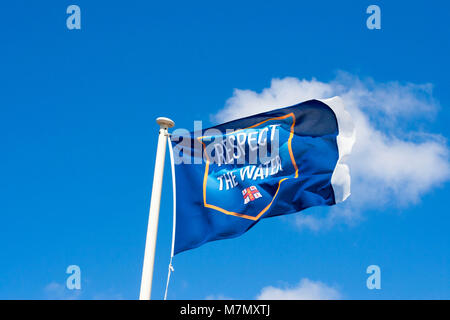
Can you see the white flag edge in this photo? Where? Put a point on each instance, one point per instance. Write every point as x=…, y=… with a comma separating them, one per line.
x=341, y=180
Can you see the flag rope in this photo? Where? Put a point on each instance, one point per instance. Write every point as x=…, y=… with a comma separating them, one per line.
x=172, y=165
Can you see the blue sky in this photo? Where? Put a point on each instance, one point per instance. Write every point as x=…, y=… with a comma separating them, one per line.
x=78, y=144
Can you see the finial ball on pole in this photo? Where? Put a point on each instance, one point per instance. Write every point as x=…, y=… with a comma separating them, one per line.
x=165, y=122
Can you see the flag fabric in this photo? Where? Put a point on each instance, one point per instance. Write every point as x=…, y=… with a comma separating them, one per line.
x=230, y=176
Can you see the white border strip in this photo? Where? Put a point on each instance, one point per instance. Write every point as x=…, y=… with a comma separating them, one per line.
x=340, y=179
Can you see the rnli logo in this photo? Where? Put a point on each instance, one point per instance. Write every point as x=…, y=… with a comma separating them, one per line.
x=250, y=194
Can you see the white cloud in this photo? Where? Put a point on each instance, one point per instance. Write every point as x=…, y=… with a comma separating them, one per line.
x=394, y=160
x=305, y=290
x=57, y=291
x=282, y=93
x=218, y=297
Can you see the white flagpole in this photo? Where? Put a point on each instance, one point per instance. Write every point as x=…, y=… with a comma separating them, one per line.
x=152, y=229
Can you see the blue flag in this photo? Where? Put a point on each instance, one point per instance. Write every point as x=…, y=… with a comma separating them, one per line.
x=230, y=176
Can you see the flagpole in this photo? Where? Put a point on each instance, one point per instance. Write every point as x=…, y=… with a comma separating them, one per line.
x=152, y=229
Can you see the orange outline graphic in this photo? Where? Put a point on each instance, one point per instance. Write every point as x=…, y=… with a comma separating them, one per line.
x=205, y=178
